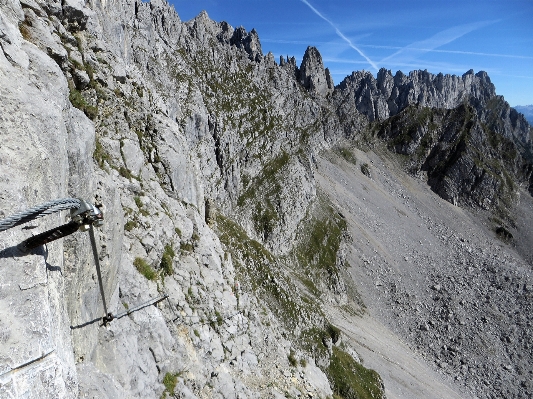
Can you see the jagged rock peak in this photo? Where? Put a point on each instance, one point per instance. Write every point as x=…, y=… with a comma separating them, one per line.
x=313, y=76
x=385, y=96
x=203, y=28
x=248, y=41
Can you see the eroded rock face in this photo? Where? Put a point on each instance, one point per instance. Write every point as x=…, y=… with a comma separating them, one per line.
x=247, y=41
x=34, y=163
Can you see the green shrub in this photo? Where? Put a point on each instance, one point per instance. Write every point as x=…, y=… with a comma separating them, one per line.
x=77, y=100
x=145, y=269
x=292, y=359
x=170, y=381
x=166, y=260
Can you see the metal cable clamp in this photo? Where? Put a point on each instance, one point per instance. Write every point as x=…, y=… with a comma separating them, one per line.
x=82, y=218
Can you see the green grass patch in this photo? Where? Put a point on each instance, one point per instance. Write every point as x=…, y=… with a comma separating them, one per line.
x=77, y=65
x=259, y=271
x=350, y=380
x=169, y=381
x=267, y=182
x=125, y=172
x=100, y=155
x=312, y=341
x=311, y=287
x=320, y=240
x=78, y=101
x=219, y=318
x=265, y=219
x=138, y=201
x=347, y=154
x=145, y=269
x=187, y=247
x=140, y=205
x=130, y=225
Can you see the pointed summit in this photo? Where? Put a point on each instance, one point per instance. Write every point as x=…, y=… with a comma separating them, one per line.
x=313, y=76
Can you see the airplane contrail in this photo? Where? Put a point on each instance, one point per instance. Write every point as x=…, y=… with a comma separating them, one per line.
x=415, y=49
x=340, y=34
x=432, y=50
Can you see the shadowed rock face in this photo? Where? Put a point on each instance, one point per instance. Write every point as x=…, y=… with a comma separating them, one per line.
x=247, y=41
x=204, y=153
x=466, y=162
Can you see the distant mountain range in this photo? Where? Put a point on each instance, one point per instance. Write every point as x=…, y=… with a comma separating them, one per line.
x=527, y=110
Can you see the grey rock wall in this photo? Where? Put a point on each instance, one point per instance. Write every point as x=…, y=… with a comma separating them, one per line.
x=36, y=121
x=466, y=162
x=386, y=95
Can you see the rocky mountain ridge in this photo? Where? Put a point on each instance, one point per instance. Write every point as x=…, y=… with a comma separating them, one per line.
x=204, y=153
x=527, y=111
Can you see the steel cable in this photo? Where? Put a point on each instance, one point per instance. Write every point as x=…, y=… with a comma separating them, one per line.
x=39, y=211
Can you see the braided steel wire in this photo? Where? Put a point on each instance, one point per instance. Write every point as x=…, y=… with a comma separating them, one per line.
x=39, y=211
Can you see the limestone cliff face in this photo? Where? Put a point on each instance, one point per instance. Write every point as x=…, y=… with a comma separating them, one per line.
x=202, y=151
x=466, y=162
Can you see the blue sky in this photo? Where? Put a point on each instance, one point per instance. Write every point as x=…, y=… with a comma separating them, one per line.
x=440, y=36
